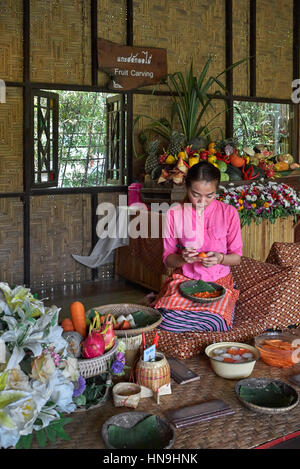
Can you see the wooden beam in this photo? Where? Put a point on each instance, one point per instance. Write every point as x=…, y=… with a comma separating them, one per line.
x=129, y=98
x=296, y=76
x=94, y=37
x=27, y=163
x=229, y=73
x=253, y=48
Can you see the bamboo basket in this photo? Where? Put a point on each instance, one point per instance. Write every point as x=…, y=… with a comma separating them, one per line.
x=89, y=367
x=153, y=375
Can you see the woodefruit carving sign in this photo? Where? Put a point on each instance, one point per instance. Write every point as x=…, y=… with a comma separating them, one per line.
x=131, y=67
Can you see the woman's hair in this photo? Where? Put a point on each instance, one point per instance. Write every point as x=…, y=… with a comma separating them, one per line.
x=203, y=171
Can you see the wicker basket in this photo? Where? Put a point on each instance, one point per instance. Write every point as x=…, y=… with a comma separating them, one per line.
x=153, y=375
x=123, y=308
x=89, y=367
x=104, y=398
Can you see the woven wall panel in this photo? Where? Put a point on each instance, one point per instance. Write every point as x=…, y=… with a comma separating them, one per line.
x=11, y=241
x=60, y=41
x=11, y=49
x=274, y=48
x=60, y=227
x=11, y=141
x=189, y=30
x=240, y=32
x=111, y=26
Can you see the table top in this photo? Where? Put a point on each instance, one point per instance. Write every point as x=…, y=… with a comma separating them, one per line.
x=244, y=429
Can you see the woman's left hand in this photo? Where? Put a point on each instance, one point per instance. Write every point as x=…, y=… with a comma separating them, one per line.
x=212, y=258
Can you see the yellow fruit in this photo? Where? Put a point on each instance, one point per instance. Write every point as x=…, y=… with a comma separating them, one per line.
x=170, y=159
x=183, y=155
x=193, y=160
x=212, y=147
x=212, y=159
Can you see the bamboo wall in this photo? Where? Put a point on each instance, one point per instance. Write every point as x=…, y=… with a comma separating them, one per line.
x=60, y=53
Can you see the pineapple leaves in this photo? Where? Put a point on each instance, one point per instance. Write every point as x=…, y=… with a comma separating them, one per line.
x=191, y=100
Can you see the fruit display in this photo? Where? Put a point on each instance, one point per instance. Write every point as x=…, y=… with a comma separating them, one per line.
x=88, y=337
x=235, y=164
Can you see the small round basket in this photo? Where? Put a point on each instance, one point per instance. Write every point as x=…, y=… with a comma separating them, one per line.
x=89, y=367
x=188, y=288
x=126, y=395
x=261, y=383
x=104, y=398
x=154, y=317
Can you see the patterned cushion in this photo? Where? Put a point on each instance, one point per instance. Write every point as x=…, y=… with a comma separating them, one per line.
x=269, y=298
x=284, y=254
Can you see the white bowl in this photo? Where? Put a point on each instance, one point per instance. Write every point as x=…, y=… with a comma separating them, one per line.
x=232, y=370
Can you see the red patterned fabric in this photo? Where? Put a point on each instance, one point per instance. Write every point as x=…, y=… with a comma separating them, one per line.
x=284, y=254
x=269, y=298
x=171, y=298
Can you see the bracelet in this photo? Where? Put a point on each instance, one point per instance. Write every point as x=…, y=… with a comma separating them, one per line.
x=222, y=258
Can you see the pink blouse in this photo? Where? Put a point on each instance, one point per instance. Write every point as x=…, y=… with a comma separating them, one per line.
x=217, y=229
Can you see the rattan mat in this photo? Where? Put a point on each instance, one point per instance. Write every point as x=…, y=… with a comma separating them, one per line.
x=243, y=430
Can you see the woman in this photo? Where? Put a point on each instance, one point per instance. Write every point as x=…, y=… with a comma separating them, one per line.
x=200, y=224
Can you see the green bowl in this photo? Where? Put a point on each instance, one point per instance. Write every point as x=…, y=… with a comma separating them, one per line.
x=192, y=286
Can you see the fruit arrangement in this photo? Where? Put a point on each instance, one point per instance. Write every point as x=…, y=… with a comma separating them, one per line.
x=88, y=337
x=172, y=165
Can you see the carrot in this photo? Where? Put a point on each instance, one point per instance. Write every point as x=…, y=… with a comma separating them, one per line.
x=67, y=325
x=78, y=317
x=125, y=325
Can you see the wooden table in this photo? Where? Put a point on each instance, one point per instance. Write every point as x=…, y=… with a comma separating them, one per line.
x=243, y=430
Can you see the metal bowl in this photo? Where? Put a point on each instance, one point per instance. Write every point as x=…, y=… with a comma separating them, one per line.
x=190, y=286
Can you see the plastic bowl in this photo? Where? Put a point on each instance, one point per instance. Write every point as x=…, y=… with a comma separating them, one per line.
x=232, y=370
x=272, y=354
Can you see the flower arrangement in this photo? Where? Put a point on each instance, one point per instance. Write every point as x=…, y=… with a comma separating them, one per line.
x=38, y=377
x=257, y=201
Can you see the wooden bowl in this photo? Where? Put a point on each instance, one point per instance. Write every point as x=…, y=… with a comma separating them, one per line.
x=261, y=383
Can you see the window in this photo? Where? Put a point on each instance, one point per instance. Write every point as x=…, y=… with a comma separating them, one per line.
x=257, y=123
x=82, y=143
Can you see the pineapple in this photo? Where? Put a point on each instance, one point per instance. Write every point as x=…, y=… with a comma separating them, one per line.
x=177, y=142
x=152, y=156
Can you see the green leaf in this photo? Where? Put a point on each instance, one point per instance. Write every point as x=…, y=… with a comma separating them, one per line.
x=41, y=438
x=143, y=435
x=51, y=432
x=24, y=442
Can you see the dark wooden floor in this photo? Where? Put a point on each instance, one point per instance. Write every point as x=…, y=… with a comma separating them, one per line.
x=92, y=294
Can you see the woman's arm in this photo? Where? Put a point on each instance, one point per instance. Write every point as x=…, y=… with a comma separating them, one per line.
x=214, y=258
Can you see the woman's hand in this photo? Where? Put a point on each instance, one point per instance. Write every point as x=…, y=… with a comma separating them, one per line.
x=212, y=258
x=190, y=255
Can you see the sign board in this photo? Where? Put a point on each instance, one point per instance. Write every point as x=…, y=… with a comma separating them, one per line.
x=130, y=67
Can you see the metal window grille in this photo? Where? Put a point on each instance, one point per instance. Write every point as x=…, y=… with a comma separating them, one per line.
x=45, y=138
x=115, y=142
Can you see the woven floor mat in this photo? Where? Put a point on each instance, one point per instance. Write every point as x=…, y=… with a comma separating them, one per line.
x=243, y=430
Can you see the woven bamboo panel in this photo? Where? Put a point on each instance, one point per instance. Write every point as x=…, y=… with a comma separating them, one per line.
x=11, y=141
x=60, y=226
x=189, y=30
x=11, y=241
x=240, y=32
x=258, y=239
x=111, y=26
x=274, y=48
x=11, y=52
x=60, y=41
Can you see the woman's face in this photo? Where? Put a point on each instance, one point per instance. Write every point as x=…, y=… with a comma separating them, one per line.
x=202, y=192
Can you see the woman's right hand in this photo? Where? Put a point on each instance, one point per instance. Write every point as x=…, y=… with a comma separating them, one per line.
x=190, y=255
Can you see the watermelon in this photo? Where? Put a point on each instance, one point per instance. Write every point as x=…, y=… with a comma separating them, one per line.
x=235, y=174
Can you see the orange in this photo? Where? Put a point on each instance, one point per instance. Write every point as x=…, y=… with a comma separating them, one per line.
x=202, y=254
